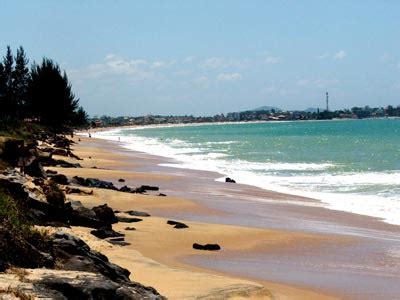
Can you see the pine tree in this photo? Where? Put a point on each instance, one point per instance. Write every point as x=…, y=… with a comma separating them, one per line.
x=2, y=91
x=50, y=97
x=20, y=80
x=8, y=62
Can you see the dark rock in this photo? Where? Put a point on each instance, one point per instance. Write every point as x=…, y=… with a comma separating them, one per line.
x=105, y=213
x=92, y=286
x=227, y=179
x=129, y=220
x=103, y=233
x=75, y=254
x=130, y=228
x=149, y=188
x=35, y=169
x=209, y=247
x=51, y=172
x=12, y=151
x=119, y=243
x=177, y=225
x=162, y=195
x=126, y=189
x=137, y=213
x=60, y=152
x=2, y=266
x=77, y=191
x=86, y=212
x=142, y=189
x=94, y=182
x=60, y=179
x=121, y=180
x=117, y=239
x=38, y=181
x=51, y=162
x=54, y=195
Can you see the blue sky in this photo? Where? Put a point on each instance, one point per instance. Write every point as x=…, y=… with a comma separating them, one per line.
x=208, y=57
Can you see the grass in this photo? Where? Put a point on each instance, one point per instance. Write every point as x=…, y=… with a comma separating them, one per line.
x=19, y=240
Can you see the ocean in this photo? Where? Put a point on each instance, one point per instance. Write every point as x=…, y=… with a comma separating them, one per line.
x=349, y=165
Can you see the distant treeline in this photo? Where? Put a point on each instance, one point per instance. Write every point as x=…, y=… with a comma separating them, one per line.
x=40, y=94
x=251, y=115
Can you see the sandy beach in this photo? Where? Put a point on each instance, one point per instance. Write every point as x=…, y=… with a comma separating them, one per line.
x=276, y=248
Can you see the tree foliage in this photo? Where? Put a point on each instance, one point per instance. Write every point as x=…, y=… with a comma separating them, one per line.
x=50, y=97
x=41, y=94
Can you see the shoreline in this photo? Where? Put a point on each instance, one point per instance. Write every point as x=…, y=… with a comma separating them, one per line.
x=329, y=200
x=211, y=208
x=164, y=249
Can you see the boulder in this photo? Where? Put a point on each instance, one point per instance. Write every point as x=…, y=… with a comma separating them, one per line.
x=60, y=179
x=126, y=189
x=12, y=151
x=105, y=232
x=129, y=220
x=63, y=284
x=118, y=241
x=51, y=172
x=209, y=247
x=94, y=182
x=137, y=213
x=130, y=228
x=227, y=179
x=177, y=225
x=121, y=180
x=35, y=169
x=105, y=214
x=147, y=188
x=74, y=254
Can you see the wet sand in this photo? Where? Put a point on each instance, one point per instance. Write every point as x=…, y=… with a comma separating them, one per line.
x=289, y=240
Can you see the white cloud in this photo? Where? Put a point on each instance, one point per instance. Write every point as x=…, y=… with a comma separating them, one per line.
x=188, y=59
x=340, y=55
x=201, y=80
x=320, y=83
x=229, y=76
x=212, y=63
x=303, y=82
x=272, y=60
x=215, y=63
x=158, y=64
x=324, y=55
x=386, y=58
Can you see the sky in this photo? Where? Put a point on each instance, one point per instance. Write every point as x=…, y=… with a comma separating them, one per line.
x=209, y=57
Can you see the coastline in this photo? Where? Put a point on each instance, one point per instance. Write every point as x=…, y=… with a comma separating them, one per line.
x=337, y=199
x=354, y=231
x=165, y=247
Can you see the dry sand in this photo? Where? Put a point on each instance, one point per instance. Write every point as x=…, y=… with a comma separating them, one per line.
x=156, y=248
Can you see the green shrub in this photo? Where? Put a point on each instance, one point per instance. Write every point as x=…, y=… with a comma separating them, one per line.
x=20, y=242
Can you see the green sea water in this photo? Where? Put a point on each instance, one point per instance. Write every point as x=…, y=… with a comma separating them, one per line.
x=351, y=165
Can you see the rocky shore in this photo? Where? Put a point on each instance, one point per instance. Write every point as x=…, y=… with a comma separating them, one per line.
x=38, y=263
x=94, y=228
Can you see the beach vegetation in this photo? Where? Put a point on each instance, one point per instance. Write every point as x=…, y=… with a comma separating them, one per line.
x=39, y=94
x=20, y=241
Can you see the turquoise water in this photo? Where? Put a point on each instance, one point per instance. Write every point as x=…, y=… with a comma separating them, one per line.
x=351, y=165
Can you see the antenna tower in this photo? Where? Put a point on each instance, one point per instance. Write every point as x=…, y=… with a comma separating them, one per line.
x=327, y=101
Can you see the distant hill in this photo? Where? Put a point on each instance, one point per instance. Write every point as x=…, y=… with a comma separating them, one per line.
x=311, y=110
x=266, y=108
